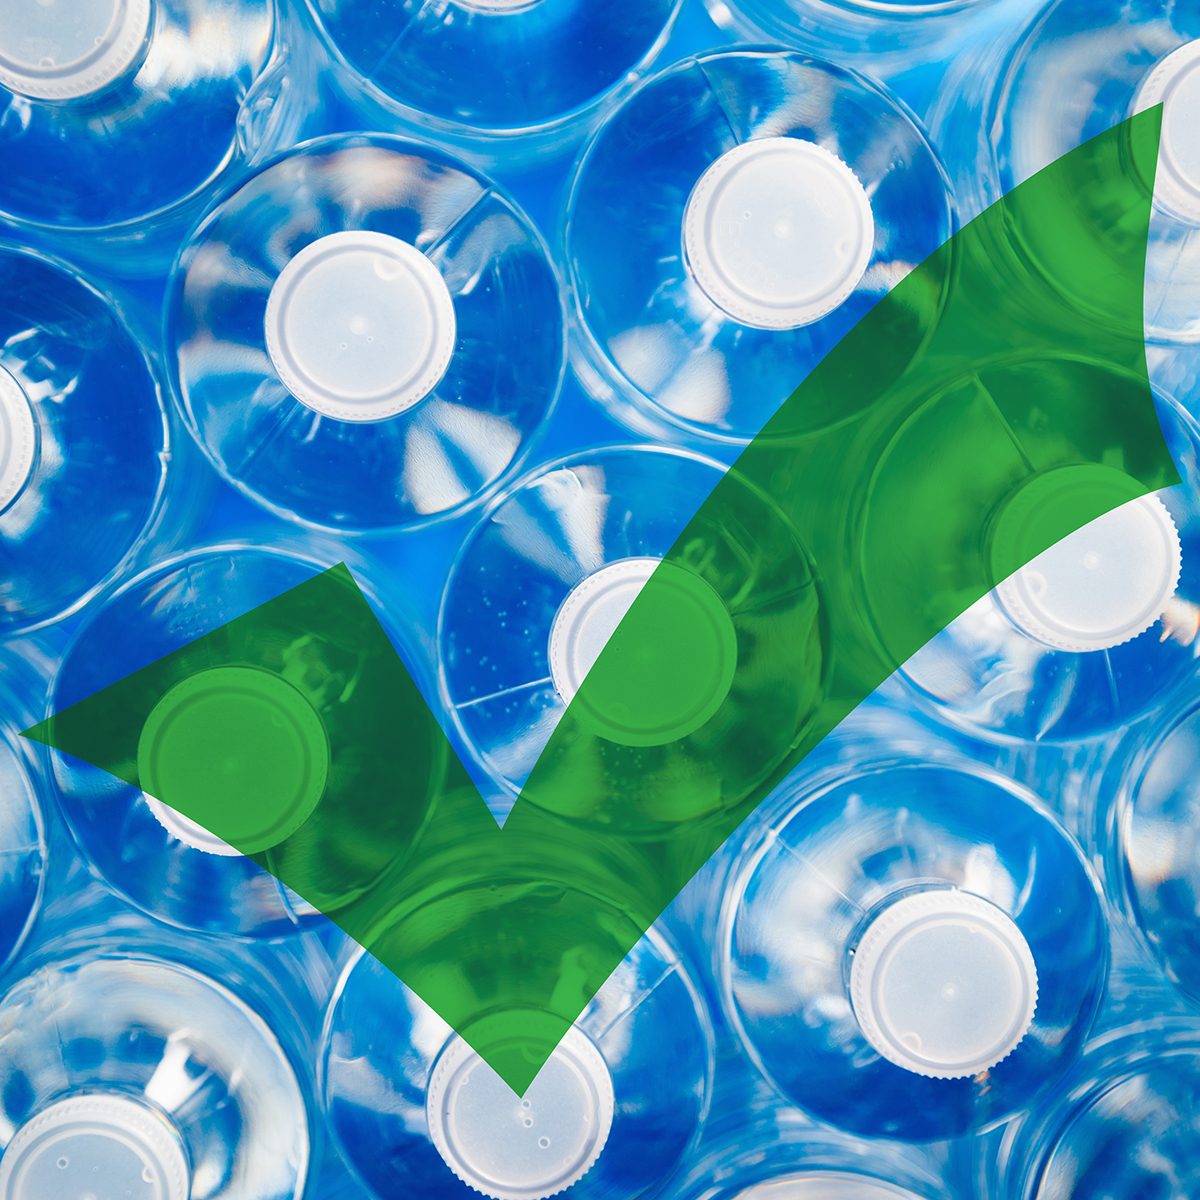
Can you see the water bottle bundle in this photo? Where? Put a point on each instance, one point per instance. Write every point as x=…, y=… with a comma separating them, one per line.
x=480, y=297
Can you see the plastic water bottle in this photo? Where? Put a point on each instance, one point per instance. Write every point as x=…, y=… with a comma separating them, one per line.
x=166, y=864
x=804, y=1162
x=367, y=335
x=1126, y=1125
x=83, y=440
x=1097, y=631
x=507, y=79
x=729, y=223
x=22, y=840
x=882, y=34
x=548, y=573
x=911, y=949
x=119, y=117
x=1114, y=58
x=133, y=1076
x=1148, y=836
x=614, y=1111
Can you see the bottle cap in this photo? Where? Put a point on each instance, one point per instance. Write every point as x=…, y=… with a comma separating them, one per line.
x=92, y=1147
x=240, y=743
x=778, y=232
x=498, y=6
x=675, y=686
x=521, y=1148
x=1098, y=587
x=360, y=326
x=18, y=439
x=64, y=49
x=943, y=984
x=825, y=1185
x=1175, y=84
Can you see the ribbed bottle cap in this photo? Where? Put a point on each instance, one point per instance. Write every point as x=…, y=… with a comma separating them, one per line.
x=677, y=683
x=99, y=1146
x=18, y=439
x=240, y=743
x=65, y=49
x=1175, y=84
x=1102, y=585
x=360, y=326
x=521, y=1148
x=943, y=984
x=778, y=232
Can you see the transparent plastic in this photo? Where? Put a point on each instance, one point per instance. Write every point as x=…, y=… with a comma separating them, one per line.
x=1115, y=58
x=1124, y=1126
x=1148, y=833
x=148, y=1079
x=410, y=402
x=83, y=436
x=1018, y=932
x=615, y=1110
x=92, y=106
x=504, y=78
x=1097, y=632
x=545, y=576
x=880, y=35
x=165, y=864
x=730, y=222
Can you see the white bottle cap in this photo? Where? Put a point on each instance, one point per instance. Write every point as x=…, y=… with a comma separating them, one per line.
x=267, y=722
x=521, y=1148
x=65, y=49
x=1175, y=84
x=943, y=984
x=95, y=1147
x=825, y=1185
x=1100, y=586
x=18, y=439
x=589, y=616
x=190, y=833
x=360, y=326
x=778, y=232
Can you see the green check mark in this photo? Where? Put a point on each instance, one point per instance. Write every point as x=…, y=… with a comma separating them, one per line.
x=890, y=492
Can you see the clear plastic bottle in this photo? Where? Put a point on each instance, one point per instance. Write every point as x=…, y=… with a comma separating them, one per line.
x=805, y=1162
x=1146, y=826
x=729, y=223
x=163, y=862
x=119, y=118
x=1125, y=1125
x=617, y=1108
x=542, y=582
x=83, y=440
x=1113, y=58
x=124, y=1074
x=22, y=837
x=367, y=335
x=504, y=79
x=880, y=35
x=1099, y=630
x=911, y=949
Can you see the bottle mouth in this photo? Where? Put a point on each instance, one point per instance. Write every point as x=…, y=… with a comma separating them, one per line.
x=360, y=326
x=511, y=1147
x=65, y=50
x=240, y=744
x=943, y=984
x=672, y=687
x=1175, y=84
x=1102, y=585
x=18, y=440
x=92, y=1145
x=778, y=232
